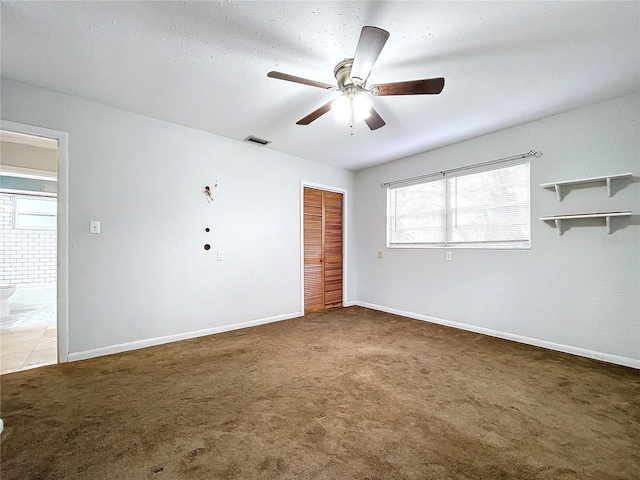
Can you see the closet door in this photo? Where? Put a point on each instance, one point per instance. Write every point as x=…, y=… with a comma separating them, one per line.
x=322, y=249
x=332, y=257
x=313, y=239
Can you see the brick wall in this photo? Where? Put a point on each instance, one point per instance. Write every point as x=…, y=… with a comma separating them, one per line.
x=28, y=256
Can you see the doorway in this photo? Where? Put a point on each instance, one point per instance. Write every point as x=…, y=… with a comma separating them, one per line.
x=323, y=247
x=29, y=201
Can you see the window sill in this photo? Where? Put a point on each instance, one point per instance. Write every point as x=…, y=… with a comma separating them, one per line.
x=454, y=246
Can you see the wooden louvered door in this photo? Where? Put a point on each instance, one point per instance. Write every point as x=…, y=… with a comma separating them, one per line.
x=322, y=249
x=332, y=260
x=313, y=243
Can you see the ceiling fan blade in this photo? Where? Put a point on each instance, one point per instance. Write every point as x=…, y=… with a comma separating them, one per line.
x=304, y=81
x=374, y=121
x=412, y=87
x=372, y=39
x=315, y=114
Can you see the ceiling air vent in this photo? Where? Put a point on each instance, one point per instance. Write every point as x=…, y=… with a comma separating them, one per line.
x=257, y=141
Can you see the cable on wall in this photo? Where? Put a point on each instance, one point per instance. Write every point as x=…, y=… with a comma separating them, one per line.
x=443, y=173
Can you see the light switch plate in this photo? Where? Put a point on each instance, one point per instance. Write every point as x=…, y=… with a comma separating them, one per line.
x=447, y=256
x=220, y=255
x=94, y=226
x=380, y=254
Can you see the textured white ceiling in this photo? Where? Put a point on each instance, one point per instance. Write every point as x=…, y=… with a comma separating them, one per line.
x=205, y=64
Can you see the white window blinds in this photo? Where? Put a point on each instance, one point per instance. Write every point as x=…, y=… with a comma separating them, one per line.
x=485, y=206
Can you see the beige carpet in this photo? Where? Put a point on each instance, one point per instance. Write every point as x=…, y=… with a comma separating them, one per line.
x=343, y=394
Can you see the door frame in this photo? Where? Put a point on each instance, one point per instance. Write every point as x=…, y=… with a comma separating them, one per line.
x=345, y=215
x=62, y=233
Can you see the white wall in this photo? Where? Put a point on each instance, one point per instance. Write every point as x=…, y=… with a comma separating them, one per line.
x=577, y=292
x=146, y=276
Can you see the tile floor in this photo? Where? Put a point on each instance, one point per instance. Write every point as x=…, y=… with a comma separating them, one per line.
x=28, y=339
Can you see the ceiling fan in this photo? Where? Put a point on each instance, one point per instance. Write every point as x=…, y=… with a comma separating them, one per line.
x=351, y=75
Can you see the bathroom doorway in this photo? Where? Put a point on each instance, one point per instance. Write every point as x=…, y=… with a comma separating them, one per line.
x=28, y=275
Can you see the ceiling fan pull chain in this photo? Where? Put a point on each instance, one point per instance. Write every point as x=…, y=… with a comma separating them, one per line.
x=351, y=116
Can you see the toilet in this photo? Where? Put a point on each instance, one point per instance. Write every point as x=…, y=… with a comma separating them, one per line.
x=5, y=292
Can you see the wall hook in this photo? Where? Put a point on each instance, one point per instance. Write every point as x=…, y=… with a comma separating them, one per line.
x=208, y=191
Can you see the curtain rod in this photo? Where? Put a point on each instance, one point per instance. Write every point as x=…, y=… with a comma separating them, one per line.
x=530, y=153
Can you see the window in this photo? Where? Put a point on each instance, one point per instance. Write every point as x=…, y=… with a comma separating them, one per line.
x=481, y=207
x=33, y=212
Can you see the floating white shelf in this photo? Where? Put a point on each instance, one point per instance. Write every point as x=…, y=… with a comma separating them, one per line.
x=606, y=215
x=604, y=178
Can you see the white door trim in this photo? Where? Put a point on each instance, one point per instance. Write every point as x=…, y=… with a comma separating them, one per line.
x=63, y=227
x=345, y=210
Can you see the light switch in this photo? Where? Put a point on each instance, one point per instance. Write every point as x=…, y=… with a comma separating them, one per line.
x=447, y=256
x=94, y=226
x=379, y=254
x=220, y=255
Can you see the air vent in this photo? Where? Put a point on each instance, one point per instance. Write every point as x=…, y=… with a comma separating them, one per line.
x=258, y=141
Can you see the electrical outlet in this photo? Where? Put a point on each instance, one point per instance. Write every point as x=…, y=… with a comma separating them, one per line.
x=220, y=255
x=447, y=256
x=94, y=226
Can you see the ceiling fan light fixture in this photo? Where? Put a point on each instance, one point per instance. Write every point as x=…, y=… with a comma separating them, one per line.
x=361, y=107
x=348, y=109
x=342, y=109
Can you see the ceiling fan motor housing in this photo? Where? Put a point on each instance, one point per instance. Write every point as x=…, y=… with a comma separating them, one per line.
x=346, y=84
x=342, y=73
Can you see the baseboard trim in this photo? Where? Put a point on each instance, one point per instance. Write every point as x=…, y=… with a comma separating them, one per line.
x=348, y=304
x=125, y=347
x=605, y=357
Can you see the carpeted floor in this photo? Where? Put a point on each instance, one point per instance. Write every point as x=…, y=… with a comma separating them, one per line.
x=342, y=394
